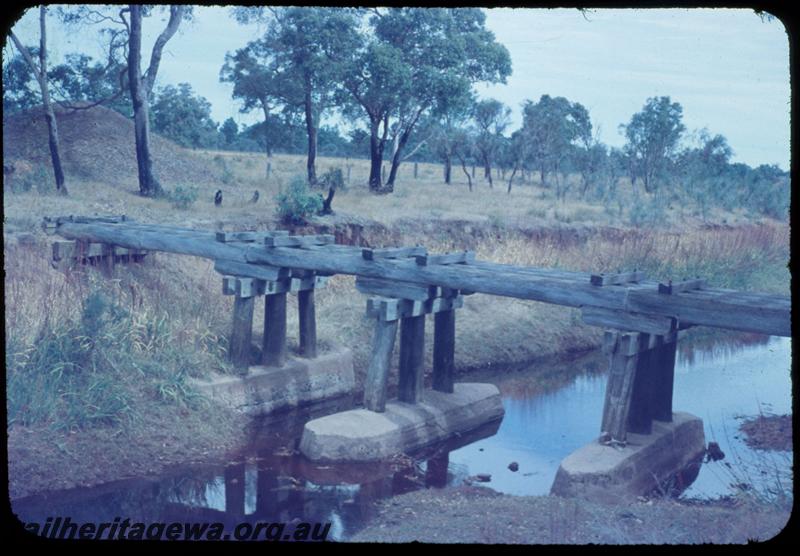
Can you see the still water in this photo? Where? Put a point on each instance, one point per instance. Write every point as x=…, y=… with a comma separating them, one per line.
x=549, y=413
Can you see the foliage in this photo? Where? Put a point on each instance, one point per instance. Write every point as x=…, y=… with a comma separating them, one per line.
x=183, y=197
x=178, y=114
x=229, y=131
x=415, y=59
x=551, y=127
x=298, y=202
x=653, y=135
x=333, y=179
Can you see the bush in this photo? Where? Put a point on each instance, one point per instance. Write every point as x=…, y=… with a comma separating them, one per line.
x=182, y=198
x=333, y=178
x=297, y=203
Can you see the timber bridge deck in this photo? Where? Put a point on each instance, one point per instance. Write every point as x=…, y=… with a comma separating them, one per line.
x=643, y=316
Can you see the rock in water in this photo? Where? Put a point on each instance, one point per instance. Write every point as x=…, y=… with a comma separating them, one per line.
x=513, y=466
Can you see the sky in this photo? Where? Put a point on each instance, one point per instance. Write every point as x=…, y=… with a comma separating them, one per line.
x=726, y=67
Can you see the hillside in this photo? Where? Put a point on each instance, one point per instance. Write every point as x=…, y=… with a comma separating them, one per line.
x=97, y=144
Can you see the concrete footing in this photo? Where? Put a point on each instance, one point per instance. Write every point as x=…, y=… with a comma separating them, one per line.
x=364, y=435
x=299, y=381
x=612, y=474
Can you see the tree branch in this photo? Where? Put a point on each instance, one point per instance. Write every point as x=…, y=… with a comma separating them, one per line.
x=175, y=16
x=28, y=58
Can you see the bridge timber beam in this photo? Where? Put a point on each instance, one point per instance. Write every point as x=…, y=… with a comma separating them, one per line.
x=716, y=307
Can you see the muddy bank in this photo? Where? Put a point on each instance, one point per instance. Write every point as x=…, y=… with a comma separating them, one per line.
x=480, y=515
x=41, y=459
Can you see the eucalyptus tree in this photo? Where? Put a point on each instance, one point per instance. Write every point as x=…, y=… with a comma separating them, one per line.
x=491, y=118
x=553, y=126
x=141, y=87
x=448, y=121
x=125, y=31
x=653, y=136
x=296, y=61
x=39, y=70
x=410, y=60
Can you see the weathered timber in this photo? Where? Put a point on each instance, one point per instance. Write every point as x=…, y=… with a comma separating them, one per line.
x=412, y=357
x=623, y=320
x=664, y=379
x=227, y=237
x=297, y=241
x=379, y=365
x=393, y=309
x=242, y=331
x=761, y=313
x=308, y=323
x=623, y=351
x=243, y=287
x=675, y=287
x=462, y=257
x=369, y=254
x=261, y=272
x=274, y=344
x=444, y=342
x=640, y=416
x=394, y=288
x=617, y=279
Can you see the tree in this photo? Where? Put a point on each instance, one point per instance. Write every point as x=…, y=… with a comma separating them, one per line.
x=653, y=135
x=180, y=115
x=20, y=84
x=448, y=121
x=229, y=131
x=40, y=73
x=81, y=83
x=415, y=58
x=299, y=52
x=553, y=126
x=491, y=118
x=141, y=87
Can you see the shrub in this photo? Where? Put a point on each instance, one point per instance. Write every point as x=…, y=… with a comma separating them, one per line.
x=182, y=198
x=333, y=178
x=297, y=203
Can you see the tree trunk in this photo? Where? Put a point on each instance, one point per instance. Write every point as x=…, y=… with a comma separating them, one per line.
x=49, y=115
x=448, y=168
x=376, y=146
x=511, y=179
x=148, y=185
x=311, y=130
x=141, y=85
x=464, y=167
x=487, y=172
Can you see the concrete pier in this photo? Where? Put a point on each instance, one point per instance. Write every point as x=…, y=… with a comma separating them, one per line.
x=611, y=474
x=299, y=381
x=364, y=435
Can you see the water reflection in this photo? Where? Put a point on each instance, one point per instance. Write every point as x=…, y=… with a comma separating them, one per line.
x=272, y=484
x=720, y=384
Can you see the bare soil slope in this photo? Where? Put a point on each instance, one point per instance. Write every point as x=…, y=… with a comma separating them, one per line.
x=97, y=144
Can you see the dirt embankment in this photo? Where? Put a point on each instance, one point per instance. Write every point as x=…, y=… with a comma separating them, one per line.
x=97, y=144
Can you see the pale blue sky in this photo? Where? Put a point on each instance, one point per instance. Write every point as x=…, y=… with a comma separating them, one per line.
x=727, y=68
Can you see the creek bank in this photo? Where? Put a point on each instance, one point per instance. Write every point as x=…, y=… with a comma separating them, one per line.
x=468, y=514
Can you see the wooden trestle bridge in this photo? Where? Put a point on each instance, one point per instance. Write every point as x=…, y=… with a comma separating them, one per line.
x=642, y=316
